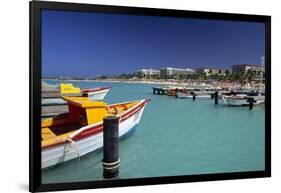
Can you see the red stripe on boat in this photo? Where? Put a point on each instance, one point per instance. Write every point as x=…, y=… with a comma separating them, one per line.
x=95, y=89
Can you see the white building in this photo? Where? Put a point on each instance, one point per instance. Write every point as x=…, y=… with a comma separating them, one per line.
x=148, y=72
x=168, y=72
x=244, y=68
x=211, y=71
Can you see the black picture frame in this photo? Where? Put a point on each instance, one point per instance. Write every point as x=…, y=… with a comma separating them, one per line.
x=35, y=184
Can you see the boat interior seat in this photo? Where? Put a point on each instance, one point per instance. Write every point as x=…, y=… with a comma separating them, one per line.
x=112, y=110
x=82, y=120
x=47, y=133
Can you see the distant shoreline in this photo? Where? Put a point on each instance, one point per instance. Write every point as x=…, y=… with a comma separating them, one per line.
x=221, y=84
x=119, y=81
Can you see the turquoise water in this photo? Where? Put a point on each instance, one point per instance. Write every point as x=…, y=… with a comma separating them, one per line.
x=175, y=137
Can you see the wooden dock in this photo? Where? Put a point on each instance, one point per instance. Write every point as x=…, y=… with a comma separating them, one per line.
x=196, y=91
x=159, y=90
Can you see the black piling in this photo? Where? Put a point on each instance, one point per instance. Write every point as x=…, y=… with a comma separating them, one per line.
x=251, y=103
x=194, y=97
x=216, y=95
x=111, y=159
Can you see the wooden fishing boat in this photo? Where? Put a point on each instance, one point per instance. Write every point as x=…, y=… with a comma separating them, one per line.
x=69, y=90
x=171, y=93
x=80, y=131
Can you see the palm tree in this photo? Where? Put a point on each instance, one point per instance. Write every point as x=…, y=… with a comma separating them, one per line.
x=250, y=75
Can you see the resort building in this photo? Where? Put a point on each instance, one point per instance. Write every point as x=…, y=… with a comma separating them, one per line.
x=211, y=71
x=148, y=73
x=168, y=72
x=244, y=68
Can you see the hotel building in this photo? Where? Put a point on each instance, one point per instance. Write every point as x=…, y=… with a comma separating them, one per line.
x=211, y=71
x=244, y=68
x=168, y=72
x=148, y=72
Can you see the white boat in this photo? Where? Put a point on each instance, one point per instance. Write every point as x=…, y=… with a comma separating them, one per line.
x=96, y=93
x=80, y=131
x=189, y=95
x=241, y=100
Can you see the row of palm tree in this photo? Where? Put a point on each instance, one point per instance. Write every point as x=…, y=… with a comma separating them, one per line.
x=249, y=76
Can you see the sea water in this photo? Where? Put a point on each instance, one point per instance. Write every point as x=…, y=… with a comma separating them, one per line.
x=175, y=137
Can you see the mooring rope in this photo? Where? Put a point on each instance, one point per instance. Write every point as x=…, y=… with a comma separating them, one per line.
x=78, y=155
x=76, y=147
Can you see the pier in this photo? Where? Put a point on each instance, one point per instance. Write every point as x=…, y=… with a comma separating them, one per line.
x=232, y=98
x=159, y=91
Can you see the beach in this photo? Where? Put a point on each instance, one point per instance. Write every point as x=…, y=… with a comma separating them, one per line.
x=187, y=83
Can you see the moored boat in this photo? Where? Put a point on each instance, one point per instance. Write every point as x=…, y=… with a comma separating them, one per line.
x=80, y=131
x=245, y=95
x=241, y=100
x=171, y=93
x=95, y=93
x=190, y=95
x=69, y=90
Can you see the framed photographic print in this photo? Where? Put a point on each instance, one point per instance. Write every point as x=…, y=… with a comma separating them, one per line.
x=124, y=96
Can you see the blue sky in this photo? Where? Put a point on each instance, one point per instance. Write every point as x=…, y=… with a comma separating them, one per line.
x=91, y=44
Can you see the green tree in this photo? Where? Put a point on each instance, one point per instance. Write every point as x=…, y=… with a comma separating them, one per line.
x=227, y=72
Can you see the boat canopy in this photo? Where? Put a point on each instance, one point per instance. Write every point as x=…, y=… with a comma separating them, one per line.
x=85, y=109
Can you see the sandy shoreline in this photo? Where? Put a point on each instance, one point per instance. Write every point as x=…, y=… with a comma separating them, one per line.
x=138, y=82
x=119, y=81
x=215, y=84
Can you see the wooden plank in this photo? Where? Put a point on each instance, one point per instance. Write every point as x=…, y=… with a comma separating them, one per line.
x=50, y=111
